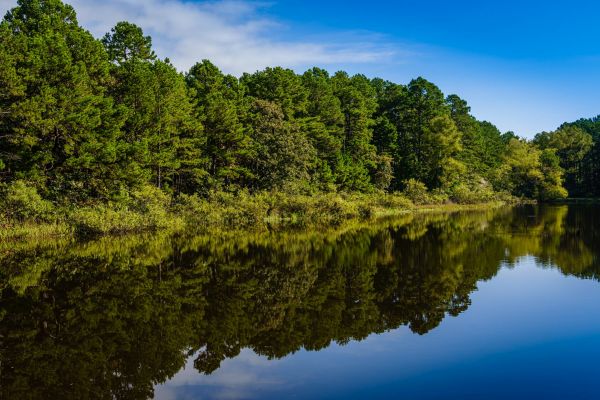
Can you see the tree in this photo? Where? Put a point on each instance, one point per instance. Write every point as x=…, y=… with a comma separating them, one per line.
x=531, y=173
x=279, y=86
x=58, y=126
x=442, y=143
x=552, y=186
x=590, y=185
x=173, y=128
x=324, y=126
x=571, y=144
x=159, y=121
x=473, y=141
x=126, y=42
x=358, y=104
x=413, y=108
x=280, y=154
x=218, y=104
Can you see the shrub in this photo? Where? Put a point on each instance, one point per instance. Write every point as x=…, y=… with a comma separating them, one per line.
x=416, y=191
x=23, y=202
x=394, y=201
x=153, y=204
x=103, y=219
x=148, y=208
x=474, y=190
x=332, y=209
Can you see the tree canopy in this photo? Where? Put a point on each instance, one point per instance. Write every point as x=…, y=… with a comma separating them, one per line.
x=85, y=119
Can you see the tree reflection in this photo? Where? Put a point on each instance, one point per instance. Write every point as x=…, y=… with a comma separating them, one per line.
x=113, y=317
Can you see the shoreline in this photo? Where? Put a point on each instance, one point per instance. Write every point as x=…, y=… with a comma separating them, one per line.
x=103, y=222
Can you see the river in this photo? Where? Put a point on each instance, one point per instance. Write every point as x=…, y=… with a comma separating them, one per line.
x=502, y=303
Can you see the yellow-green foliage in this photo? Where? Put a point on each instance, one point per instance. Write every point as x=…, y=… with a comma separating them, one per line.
x=250, y=211
x=147, y=209
x=21, y=201
x=150, y=209
x=416, y=191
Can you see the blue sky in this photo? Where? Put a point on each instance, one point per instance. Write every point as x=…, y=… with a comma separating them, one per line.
x=526, y=66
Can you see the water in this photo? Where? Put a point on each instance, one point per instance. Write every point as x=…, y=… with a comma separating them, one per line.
x=470, y=305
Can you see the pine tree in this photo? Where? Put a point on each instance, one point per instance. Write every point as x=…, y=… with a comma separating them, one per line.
x=218, y=104
x=58, y=125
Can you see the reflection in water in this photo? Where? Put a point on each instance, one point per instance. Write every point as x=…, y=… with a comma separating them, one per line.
x=113, y=317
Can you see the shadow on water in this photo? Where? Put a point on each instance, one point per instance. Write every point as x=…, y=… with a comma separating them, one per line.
x=113, y=317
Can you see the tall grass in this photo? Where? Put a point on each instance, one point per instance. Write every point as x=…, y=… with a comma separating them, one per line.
x=148, y=209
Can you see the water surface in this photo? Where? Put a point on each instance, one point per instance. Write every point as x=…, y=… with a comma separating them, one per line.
x=496, y=304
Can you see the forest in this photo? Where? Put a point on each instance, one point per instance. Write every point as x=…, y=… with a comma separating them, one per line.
x=103, y=130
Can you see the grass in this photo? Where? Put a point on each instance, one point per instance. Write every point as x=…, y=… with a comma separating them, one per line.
x=150, y=210
x=33, y=230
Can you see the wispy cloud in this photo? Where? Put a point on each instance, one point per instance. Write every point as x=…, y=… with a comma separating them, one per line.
x=238, y=36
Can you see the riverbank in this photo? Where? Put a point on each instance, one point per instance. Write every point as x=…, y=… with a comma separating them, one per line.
x=151, y=210
x=581, y=200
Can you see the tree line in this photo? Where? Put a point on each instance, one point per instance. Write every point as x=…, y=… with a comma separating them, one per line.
x=85, y=119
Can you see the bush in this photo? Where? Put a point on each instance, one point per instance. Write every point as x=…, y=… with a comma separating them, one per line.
x=220, y=208
x=332, y=209
x=147, y=208
x=394, y=201
x=105, y=220
x=153, y=204
x=416, y=191
x=23, y=202
x=474, y=190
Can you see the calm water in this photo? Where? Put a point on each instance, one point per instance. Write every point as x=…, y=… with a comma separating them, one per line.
x=496, y=304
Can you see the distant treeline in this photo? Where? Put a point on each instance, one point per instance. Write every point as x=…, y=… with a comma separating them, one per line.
x=84, y=120
x=577, y=145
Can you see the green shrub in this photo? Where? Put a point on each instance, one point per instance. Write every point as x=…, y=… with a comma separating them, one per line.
x=147, y=208
x=153, y=204
x=22, y=202
x=332, y=209
x=105, y=220
x=394, y=201
x=366, y=211
x=474, y=190
x=416, y=191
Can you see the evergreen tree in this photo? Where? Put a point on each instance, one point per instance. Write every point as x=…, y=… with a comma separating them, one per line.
x=159, y=122
x=358, y=104
x=571, y=144
x=218, y=104
x=279, y=86
x=57, y=127
x=323, y=125
x=280, y=154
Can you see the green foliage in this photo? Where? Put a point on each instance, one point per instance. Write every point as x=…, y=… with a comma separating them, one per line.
x=218, y=105
x=90, y=123
x=552, y=188
x=126, y=41
x=58, y=126
x=416, y=191
x=148, y=208
x=531, y=173
x=474, y=189
x=21, y=201
x=520, y=172
x=280, y=155
x=571, y=145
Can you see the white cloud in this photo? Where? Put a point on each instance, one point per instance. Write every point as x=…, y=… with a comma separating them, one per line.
x=235, y=35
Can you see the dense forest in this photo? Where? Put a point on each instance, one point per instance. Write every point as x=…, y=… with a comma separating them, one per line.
x=93, y=121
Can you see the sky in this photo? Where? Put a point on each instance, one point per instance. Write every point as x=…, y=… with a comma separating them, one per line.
x=526, y=66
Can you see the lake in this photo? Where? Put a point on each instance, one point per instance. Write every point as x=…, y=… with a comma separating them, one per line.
x=502, y=303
